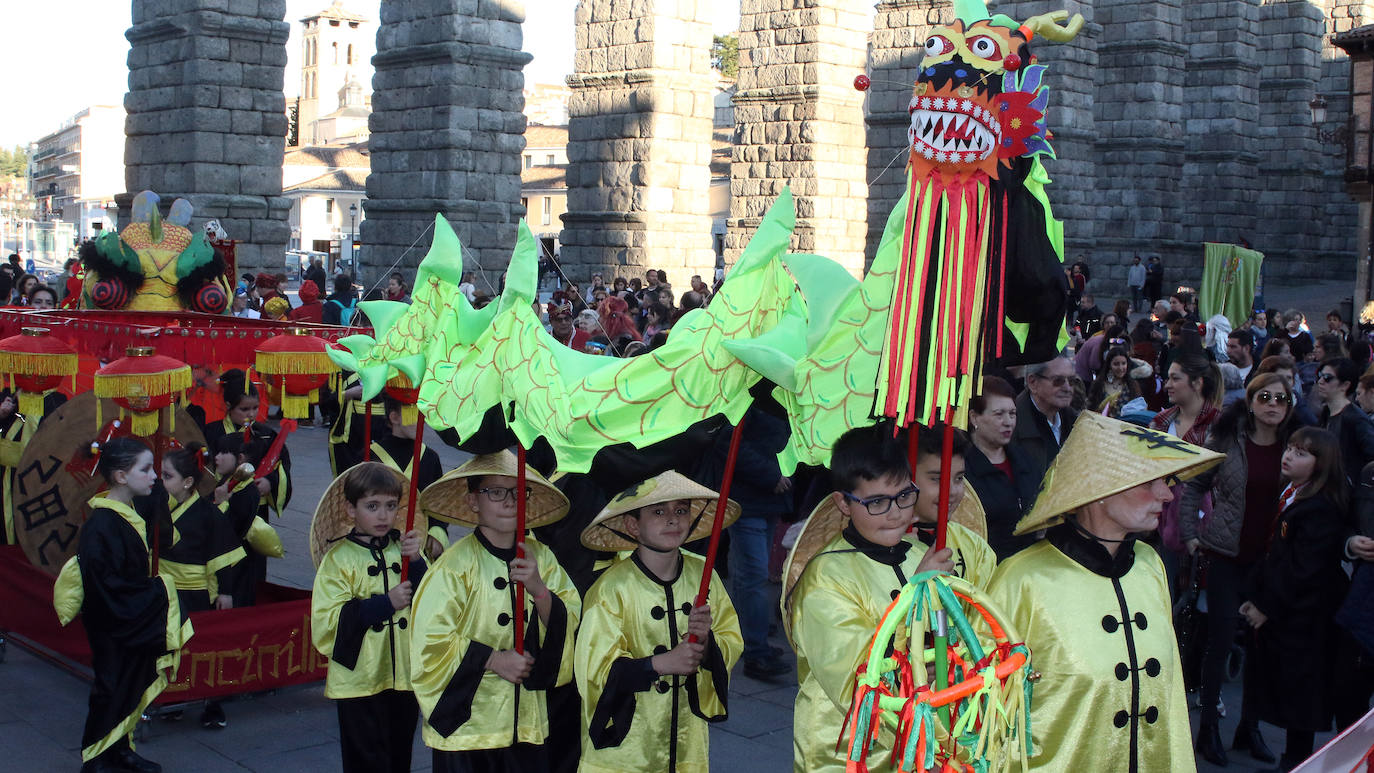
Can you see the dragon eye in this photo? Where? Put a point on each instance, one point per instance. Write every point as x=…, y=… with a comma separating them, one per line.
x=938, y=45
x=984, y=47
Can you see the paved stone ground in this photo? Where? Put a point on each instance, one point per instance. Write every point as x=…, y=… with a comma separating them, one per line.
x=42, y=707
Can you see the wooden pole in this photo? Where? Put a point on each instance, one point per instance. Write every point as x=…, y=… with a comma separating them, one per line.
x=518, y=613
x=704, y=590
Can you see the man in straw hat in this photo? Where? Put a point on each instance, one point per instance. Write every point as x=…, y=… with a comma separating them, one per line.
x=358, y=616
x=849, y=562
x=483, y=698
x=648, y=691
x=1093, y=604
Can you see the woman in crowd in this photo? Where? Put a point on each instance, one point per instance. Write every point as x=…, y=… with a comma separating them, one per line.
x=1342, y=417
x=1245, y=491
x=1005, y=478
x=1114, y=386
x=1194, y=388
x=1297, y=588
x=1299, y=341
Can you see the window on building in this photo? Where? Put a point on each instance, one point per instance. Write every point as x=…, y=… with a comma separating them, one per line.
x=333, y=22
x=335, y=47
x=548, y=160
x=546, y=217
x=529, y=161
x=329, y=206
x=350, y=53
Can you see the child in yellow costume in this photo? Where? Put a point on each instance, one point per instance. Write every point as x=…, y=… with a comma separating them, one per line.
x=483, y=703
x=974, y=560
x=359, y=617
x=850, y=561
x=647, y=691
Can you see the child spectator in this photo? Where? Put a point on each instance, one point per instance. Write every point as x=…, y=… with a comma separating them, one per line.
x=484, y=703
x=849, y=562
x=648, y=691
x=358, y=616
x=311, y=309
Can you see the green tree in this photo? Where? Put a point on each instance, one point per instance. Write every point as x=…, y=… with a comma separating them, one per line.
x=13, y=163
x=725, y=55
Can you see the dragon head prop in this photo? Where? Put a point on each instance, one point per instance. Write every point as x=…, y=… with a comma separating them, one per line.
x=155, y=264
x=980, y=98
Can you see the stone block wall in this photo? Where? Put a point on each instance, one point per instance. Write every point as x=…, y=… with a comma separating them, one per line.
x=639, y=141
x=206, y=119
x=799, y=122
x=447, y=132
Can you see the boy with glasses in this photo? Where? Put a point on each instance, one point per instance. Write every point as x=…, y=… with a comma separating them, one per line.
x=848, y=564
x=483, y=702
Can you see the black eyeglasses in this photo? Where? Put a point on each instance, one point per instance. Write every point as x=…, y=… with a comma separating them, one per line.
x=1326, y=378
x=498, y=495
x=1266, y=397
x=880, y=504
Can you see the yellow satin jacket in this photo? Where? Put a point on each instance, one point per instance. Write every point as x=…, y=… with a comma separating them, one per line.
x=632, y=718
x=974, y=558
x=352, y=620
x=463, y=614
x=835, y=608
x=1100, y=631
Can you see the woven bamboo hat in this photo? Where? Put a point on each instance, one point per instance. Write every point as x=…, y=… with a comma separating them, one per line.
x=332, y=522
x=607, y=530
x=1105, y=456
x=446, y=498
x=827, y=521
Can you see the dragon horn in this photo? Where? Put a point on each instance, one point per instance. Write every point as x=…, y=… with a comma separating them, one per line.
x=1046, y=25
x=970, y=11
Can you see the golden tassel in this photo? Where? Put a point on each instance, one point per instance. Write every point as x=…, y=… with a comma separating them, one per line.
x=143, y=424
x=31, y=405
x=295, y=406
x=410, y=414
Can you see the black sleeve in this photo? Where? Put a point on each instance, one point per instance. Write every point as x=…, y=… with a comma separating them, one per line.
x=454, y=707
x=128, y=606
x=1295, y=574
x=615, y=709
x=713, y=668
x=355, y=618
x=548, y=656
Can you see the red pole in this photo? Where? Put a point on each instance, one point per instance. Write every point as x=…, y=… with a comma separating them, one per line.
x=705, y=588
x=519, y=609
x=367, y=433
x=946, y=461
x=414, y=483
x=913, y=434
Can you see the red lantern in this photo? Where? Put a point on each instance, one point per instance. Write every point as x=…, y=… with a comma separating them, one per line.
x=37, y=362
x=298, y=364
x=142, y=383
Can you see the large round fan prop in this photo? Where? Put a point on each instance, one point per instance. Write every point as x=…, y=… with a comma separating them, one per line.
x=36, y=362
x=294, y=366
x=981, y=721
x=142, y=383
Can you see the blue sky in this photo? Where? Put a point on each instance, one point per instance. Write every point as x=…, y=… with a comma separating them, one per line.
x=61, y=62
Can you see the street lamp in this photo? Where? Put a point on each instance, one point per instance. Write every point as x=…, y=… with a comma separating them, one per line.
x=352, y=251
x=1335, y=136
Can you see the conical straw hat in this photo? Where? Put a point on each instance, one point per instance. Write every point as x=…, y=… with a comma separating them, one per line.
x=607, y=530
x=332, y=522
x=827, y=521
x=1105, y=456
x=446, y=498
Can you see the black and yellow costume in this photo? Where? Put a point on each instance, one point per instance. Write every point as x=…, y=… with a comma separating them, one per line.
x=835, y=607
x=1100, y=631
x=279, y=479
x=132, y=620
x=391, y=451
x=634, y=719
x=202, y=555
x=241, y=510
x=462, y=615
x=367, y=641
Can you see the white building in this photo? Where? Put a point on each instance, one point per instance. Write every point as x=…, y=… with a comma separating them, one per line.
x=75, y=172
x=335, y=75
x=326, y=185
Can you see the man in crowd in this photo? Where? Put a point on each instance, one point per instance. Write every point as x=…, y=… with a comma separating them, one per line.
x=1154, y=279
x=1089, y=316
x=1135, y=279
x=1043, y=415
x=1240, y=351
x=317, y=275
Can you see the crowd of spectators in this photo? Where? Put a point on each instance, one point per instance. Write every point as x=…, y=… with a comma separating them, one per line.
x=623, y=319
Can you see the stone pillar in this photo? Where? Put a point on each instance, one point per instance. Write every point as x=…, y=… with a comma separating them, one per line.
x=1140, y=145
x=639, y=141
x=894, y=60
x=1291, y=200
x=447, y=132
x=799, y=122
x=1221, y=181
x=1339, y=248
x=207, y=119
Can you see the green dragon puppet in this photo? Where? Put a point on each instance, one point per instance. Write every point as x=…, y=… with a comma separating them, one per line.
x=909, y=341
